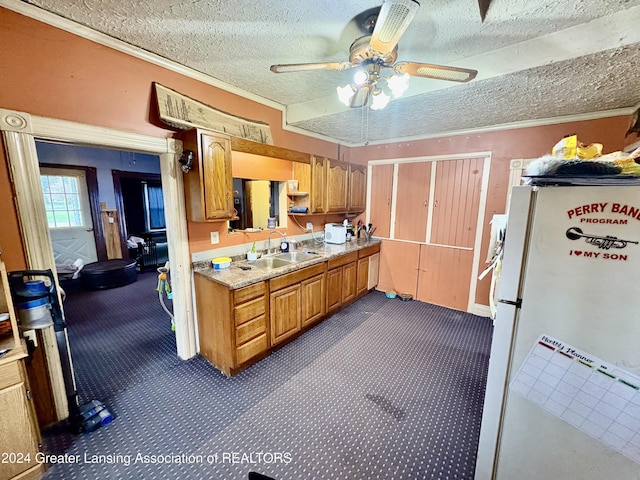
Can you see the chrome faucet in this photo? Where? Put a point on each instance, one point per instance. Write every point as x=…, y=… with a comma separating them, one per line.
x=283, y=235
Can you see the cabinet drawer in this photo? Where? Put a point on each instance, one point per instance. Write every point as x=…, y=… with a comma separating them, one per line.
x=251, y=349
x=244, y=294
x=251, y=329
x=342, y=260
x=365, y=252
x=245, y=312
x=298, y=276
x=10, y=374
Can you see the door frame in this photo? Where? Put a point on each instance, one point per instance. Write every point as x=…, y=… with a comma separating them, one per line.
x=91, y=178
x=19, y=133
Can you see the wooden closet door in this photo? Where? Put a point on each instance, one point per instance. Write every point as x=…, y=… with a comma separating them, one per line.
x=456, y=202
x=381, y=191
x=412, y=201
x=446, y=262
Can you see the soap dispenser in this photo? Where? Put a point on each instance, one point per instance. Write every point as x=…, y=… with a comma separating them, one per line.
x=284, y=245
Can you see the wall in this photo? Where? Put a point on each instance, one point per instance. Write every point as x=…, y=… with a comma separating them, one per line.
x=102, y=159
x=505, y=145
x=52, y=73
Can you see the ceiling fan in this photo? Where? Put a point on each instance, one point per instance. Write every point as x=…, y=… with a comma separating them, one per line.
x=377, y=50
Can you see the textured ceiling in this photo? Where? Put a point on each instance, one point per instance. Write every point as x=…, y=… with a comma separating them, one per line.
x=536, y=59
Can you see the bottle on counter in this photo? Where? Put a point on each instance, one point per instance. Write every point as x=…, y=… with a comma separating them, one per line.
x=284, y=245
x=293, y=245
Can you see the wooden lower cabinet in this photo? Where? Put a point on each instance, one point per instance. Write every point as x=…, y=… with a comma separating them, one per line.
x=232, y=324
x=238, y=327
x=285, y=313
x=297, y=299
x=349, y=282
x=363, y=276
x=19, y=433
x=334, y=289
x=313, y=299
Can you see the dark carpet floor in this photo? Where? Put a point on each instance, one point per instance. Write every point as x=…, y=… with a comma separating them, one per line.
x=383, y=389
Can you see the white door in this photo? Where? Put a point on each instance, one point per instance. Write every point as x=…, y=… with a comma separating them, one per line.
x=66, y=201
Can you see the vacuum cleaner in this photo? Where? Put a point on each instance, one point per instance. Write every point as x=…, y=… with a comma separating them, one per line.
x=36, y=298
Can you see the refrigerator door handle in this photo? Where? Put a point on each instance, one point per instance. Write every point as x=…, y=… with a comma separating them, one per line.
x=516, y=303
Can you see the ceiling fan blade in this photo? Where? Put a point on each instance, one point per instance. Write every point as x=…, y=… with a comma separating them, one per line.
x=304, y=67
x=361, y=96
x=393, y=19
x=439, y=72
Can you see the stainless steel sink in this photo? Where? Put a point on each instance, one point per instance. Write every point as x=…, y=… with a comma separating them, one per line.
x=271, y=262
x=296, y=257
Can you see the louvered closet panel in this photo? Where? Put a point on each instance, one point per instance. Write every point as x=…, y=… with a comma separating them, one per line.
x=412, y=201
x=380, y=207
x=456, y=201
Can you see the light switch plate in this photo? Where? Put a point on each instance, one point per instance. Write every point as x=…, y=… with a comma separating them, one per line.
x=215, y=238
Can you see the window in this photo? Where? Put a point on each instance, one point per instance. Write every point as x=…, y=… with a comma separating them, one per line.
x=154, y=206
x=62, y=201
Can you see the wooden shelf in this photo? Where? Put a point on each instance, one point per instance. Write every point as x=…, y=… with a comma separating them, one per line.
x=298, y=194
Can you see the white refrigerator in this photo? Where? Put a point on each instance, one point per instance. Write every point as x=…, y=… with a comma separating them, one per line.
x=563, y=387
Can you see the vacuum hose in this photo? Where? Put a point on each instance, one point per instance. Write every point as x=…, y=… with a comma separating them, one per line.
x=164, y=287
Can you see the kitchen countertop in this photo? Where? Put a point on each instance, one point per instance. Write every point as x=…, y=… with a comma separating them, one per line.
x=235, y=277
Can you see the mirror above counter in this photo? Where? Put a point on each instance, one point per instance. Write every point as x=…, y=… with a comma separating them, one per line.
x=256, y=201
x=259, y=190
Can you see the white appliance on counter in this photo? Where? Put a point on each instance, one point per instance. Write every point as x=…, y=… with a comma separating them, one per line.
x=335, y=233
x=563, y=389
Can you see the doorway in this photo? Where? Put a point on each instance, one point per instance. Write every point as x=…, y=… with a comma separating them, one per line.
x=19, y=131
x=68, y=197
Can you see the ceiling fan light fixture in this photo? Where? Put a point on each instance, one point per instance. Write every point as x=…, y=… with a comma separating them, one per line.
x=360, y=77
x=398, y=84
x=379, y=99
x=345, y=94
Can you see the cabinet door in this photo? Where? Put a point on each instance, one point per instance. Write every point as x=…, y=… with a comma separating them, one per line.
x=285, y=313
x=313, y=299
x=412, y=201
x=217, y=191
x=456, y=202
x=334, y=289
x=317, y=199
x=381, y=190
x=349, y=282
x=337, y=183
x=19, y=433
x=357, y=188
x=363, y=275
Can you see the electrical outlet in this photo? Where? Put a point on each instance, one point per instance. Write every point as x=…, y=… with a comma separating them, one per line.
x=309, y=226
x=215, y=238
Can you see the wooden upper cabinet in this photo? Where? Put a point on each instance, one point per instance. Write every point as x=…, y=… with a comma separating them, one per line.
x=208, y=186
x=357, y=197
x=337, y=184
x=317, y=195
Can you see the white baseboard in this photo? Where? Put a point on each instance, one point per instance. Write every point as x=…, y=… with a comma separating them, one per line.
x=481, y=310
